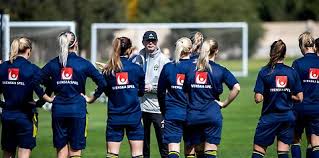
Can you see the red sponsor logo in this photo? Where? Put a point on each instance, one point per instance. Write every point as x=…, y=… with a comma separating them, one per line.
x=180, y=78
x=201, y=77
x=122, y=78
x=314, y=73
x=13, y=74
x=66, y=73
x=281, y=81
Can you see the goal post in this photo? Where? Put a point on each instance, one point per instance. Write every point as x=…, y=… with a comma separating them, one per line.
x=231, y=36
x=43, y=35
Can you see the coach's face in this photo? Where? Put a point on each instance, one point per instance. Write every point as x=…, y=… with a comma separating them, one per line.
x=150, y=45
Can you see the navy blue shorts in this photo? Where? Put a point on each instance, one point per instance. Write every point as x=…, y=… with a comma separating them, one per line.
x=115, y=133
x=197, y=134
x=69, y=130
x=173, y=131
x=19, y=132
x=266, y=133
x=302, y=123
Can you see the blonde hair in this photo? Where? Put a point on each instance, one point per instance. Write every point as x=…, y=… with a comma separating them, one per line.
x=209, y=48
x=67, y=41
x=121, y=47
x=19, y=46
x=305, y=41
x=183, y=48
x=197, y=40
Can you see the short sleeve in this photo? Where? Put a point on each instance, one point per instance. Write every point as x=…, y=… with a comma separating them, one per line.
x=229, y=79
x=259, y=86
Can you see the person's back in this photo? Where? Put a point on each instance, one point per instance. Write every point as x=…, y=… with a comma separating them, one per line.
x=16, y=84
x=308, y=71
x=68, y=83
x=123, y=90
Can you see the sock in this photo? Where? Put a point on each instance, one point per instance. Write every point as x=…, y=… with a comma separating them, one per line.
x=75, y=156
x=210, y=154
x=309, y=151
x=282, y=154
x=257, y=154
x=295, y=151
x=190, y=156
x=315, y=152
x=111, y=155
x=139, y=156
x=173, y=154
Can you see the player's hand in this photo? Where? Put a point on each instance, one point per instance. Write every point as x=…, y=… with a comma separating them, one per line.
x=221, y=104
x=88, y=99
x=100, y=65
x=148, y=87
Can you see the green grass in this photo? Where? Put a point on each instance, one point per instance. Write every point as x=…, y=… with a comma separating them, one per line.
x=240, y=120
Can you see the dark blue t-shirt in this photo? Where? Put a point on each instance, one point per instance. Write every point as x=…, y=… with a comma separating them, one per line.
x=307, y=68
x=277, y=87
x=17, y=87
x=172, y=98
x=203, y=88
x=68, y=83
x=123, y=91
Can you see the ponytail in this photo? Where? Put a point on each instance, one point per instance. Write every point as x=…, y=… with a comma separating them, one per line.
x=14, y=50
x=67, y=40
x=208, y=50
x=121, y=47
x=183, y=47
x=19, y=46
x=197, y=40
x=306, y=41
x=277, y=53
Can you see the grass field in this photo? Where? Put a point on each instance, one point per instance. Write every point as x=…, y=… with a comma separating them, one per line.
x=240, y=120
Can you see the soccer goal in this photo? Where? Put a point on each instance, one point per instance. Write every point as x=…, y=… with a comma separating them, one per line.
x=4, y=33
x=43, y=35
x=231, y=36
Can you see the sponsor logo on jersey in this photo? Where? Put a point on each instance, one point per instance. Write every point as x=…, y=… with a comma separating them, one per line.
x=314, y=73
x=180, y=78
x=66, y=73
x=201, y=77
x=122, y=78
x=13, y=74
x=281, y=81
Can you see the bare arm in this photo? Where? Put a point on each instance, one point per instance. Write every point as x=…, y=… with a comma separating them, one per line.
x=232, y=95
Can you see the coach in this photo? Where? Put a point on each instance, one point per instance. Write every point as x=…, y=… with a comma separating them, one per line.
x=152, y=60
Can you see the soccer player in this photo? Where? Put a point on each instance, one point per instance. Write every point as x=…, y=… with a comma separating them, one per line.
x=152, y=60
x=173, y=102
x=307, y=111
x=67, y=75
x=276, y=86
x=125, y=84
x=204, y=85
x=19, y=117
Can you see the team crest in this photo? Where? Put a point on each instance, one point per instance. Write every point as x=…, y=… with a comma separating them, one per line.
x=156, y=67
x=66, y=73
x=201, y=77
x=180, y=78
x=13, y=74
x=281, y=81
x=314, y=73
x=122, y=78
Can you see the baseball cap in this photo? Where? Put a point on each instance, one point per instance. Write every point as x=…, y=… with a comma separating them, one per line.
x=149, y=35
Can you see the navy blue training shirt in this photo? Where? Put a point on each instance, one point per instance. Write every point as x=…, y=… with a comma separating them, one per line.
x=123, y=90
x=17, y=87
x=68, y=83
x=307, y=68
x=172, y=98
x=203, y=87
x=277, y=87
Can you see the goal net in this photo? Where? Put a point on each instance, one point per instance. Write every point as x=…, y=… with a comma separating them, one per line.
x=232, y=38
